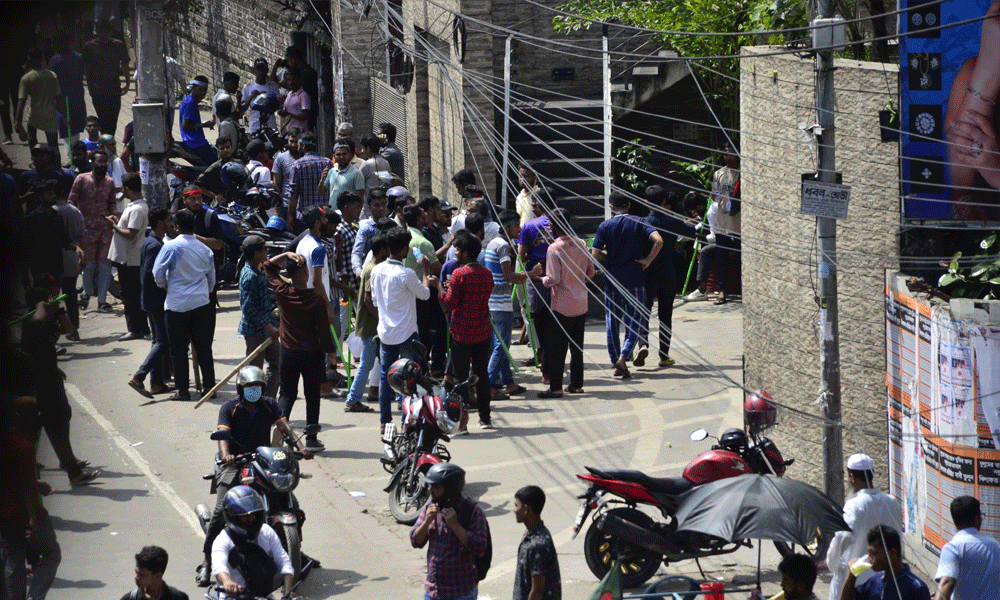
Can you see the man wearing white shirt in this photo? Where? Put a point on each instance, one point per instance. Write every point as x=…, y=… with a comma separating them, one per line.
x=260, y=85
x=311, y=248
x=395, y=290
x=257, y=153
x=185, y=267
x=125, y=252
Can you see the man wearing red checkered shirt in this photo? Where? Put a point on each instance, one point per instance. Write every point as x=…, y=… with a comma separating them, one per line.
x=468, y=299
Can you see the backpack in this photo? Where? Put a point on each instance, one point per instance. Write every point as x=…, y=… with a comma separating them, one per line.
x=258, y=568
x=482, y=562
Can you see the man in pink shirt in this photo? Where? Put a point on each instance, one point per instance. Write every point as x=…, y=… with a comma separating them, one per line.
x=567, y=268
x=298, y=104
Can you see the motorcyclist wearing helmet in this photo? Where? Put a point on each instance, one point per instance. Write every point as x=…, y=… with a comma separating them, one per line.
x=211, y=181
x=451, y=566
x=248, y=553
x=249, y=417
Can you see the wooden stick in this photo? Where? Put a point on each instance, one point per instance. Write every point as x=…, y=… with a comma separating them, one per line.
x=242, y=364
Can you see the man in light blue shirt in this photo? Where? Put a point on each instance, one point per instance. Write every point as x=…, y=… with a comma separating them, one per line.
x=368, y=229
x=185, y=267
x=969, y=567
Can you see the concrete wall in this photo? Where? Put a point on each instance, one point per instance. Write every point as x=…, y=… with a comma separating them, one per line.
x=779, y=252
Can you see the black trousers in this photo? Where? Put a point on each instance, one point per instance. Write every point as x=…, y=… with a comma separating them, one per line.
x=225, y=479
x=478, y=356
x=130, y=281
x=542, y=321
x=311, y=365
x=107, y=108
x=154, y=365
x=72, y=302
x=663, y=295
x=435, y=330
x=192, y=326
x=565, y=333
x=55, y=413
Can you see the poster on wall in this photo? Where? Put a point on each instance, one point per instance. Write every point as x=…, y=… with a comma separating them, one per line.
x=943, y=401
x=949, y=91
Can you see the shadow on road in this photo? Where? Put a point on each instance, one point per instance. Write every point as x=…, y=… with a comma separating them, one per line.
x=60, y=524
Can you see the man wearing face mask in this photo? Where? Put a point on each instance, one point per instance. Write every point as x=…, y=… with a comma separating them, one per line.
x=249, y=417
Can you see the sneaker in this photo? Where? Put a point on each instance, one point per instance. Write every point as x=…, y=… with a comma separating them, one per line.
x=486, y=425
x=73, y=337
x=640, y=357
x=314, y=445
x=666, y=362
x=106, y=308
x=695, y=296
x=358, y=407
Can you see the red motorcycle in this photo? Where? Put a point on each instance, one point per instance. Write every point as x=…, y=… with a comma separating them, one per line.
x=619, y=530
x=430, y=416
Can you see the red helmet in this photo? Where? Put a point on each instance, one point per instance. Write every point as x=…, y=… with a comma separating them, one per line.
x=758, y=413
x=403, y=376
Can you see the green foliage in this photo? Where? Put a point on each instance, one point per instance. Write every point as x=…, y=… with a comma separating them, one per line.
x=982, y=279
x=719, y=76
x=700, y=172
x=635, y=158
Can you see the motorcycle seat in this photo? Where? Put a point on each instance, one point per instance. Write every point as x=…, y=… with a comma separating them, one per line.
x=667, y=485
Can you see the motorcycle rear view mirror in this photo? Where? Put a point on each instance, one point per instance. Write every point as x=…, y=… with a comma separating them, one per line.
x=698, y=435
x=222, y=434
x=472, y=380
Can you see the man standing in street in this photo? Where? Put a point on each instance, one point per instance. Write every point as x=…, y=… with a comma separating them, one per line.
x=125, y=254
x=619, y=245
x=366, y=328
x=307, y=173
x=893, y=579
x=42, y=86
x=281, y=170
x=152, y=300
x=390, y=151
x=94, y=194
x=341, y=176
x=525, y=198
x=969, y=567
x=260, y=85
x=455, y=530
x=368, y=228
x=255, y=307
x=374, y=163
x=867, y=509
x=395, y=291
x=186, y=269
x=532, y=248
x=537, y=575
x=106, y=60
x=726, y=196
x=72, y=220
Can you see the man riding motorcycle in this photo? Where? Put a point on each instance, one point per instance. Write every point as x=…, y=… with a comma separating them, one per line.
x=248, y=553
x=249, y=418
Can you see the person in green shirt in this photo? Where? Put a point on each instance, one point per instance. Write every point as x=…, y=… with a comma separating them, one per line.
x=42, y=86
x=366, y=327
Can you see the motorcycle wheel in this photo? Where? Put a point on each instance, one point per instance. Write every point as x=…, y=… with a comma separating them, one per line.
x=407, y=497
x=293, y=546
x=816, y=550
x=602, y=550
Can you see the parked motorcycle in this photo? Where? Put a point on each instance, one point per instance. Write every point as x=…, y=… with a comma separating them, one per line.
x=430, y=415
x=273, y=472
x=619, y=530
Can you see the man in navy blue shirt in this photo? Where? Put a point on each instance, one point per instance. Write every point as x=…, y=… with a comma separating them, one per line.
x=894, y=580
x=619, y=245
x=151, y=300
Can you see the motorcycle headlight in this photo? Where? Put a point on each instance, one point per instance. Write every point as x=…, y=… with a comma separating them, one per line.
x=445, y=424
x=283, y=482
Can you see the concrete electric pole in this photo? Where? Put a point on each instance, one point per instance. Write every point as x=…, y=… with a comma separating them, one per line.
x=149, y=110
x=828, y=36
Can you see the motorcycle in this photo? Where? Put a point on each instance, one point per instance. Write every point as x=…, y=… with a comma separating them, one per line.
x=430, y=415
x=619, y=530
x=273, y=472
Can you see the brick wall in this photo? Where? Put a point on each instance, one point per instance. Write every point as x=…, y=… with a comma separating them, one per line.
x=779, y=254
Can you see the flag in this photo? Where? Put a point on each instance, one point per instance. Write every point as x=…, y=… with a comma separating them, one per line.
x=610, y=587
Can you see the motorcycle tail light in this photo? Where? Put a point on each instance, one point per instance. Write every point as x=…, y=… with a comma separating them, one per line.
x=593, y=504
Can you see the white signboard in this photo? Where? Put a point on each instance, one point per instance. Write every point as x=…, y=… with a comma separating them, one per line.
x=825, y=199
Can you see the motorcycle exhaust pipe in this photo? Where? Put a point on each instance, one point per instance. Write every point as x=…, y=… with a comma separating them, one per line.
x=635, y=535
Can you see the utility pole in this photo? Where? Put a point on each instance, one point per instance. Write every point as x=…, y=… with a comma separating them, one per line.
x=606, y=79
x=506, y=122
x=828, y=35
x=149, y=111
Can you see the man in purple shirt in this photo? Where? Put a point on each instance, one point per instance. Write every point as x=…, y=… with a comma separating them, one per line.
x=619, y=245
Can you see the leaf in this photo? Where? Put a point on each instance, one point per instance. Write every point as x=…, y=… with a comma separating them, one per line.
x=985, y=244
x=948, y=279
x=995, y=281
x=979, y=270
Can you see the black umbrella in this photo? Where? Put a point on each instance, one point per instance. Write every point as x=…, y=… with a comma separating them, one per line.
x=760, y=507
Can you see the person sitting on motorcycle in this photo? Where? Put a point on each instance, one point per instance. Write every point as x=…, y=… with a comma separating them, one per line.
x=211, y=181
x=248, y=553
x=249, y=418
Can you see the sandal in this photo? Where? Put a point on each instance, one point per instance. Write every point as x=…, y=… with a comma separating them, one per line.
x=574, y=390
x=85, y=477
x=137, y=386
x=518, y=390
x=720, y=300
x=550, y=394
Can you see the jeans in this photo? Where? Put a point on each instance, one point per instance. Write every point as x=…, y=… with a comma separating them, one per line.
x=100, y=273
x=43, y=542
x=388, y=354
x=368, y=354
x=311, y=365
x=225, y=479
x=628, y=307
x=72, y=302
x=729, y=247
x=131, y=283
x=51, y=137
x=107, y=108
x=472, y=595
x=193, y=326
x=664, y=298
x=206, y=152
x=705, y=257
x=158, y=351
x=477, y=355
x=565, y=333
x=270, y=354
x=499, y=367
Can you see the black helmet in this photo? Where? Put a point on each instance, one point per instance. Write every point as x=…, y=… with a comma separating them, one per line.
x=451, y=476
x=264, y=104
x=403, y=376
x=240, y=501
x=233, y=176
x=733, y=439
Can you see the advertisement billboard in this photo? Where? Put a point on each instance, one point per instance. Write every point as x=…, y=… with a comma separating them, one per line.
x=949, y=88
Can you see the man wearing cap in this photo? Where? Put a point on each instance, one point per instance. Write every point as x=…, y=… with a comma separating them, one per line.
x=255, y=303
x=192, y=129
x=341, y=175
x=867, y=509
x=307, y=173
x=259, y=85
x=229, y=92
